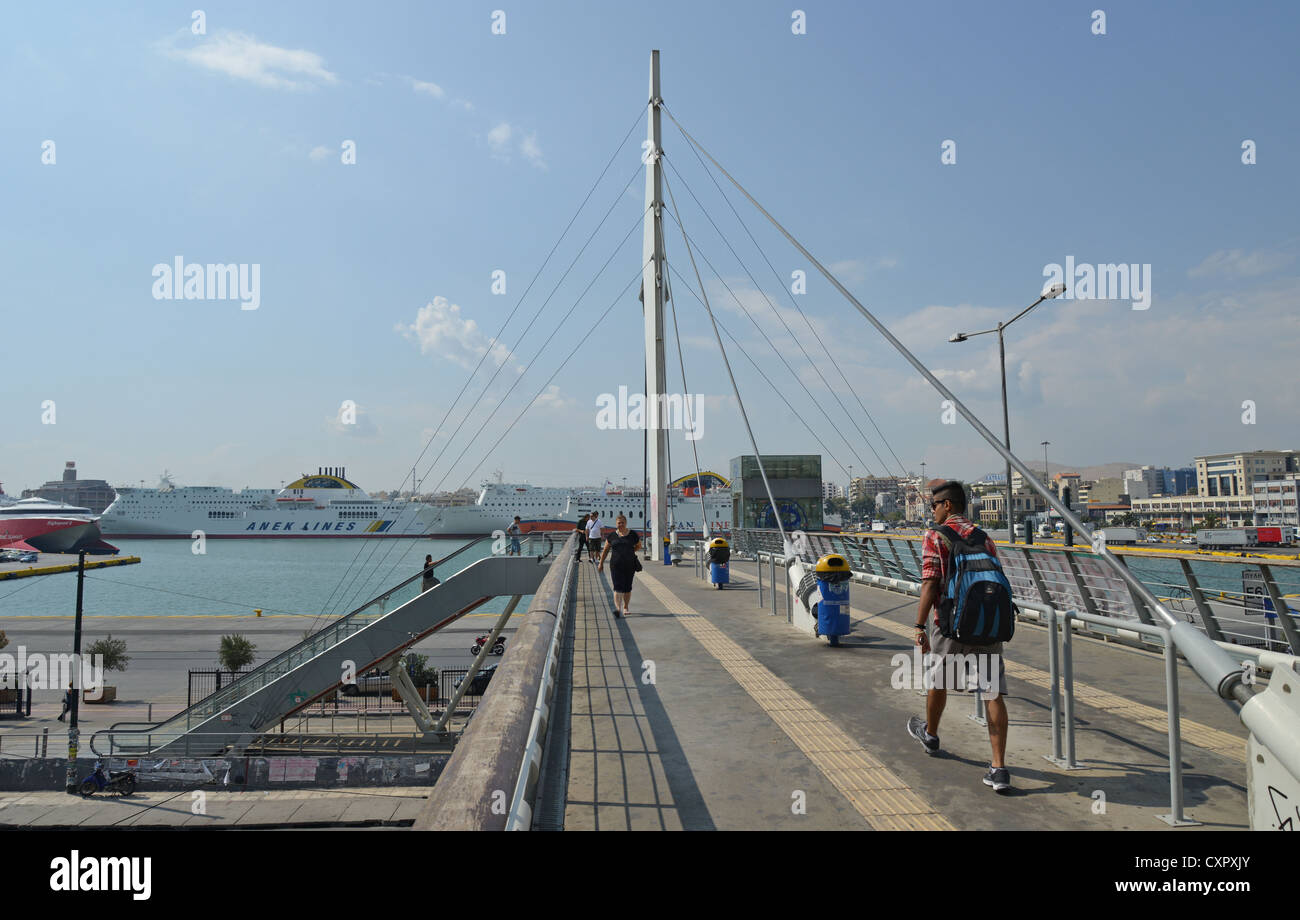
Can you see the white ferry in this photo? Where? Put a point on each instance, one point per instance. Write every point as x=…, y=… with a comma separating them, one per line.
x=542, y=508
x=324, y=505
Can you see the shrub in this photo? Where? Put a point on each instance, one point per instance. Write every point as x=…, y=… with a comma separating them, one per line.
x=236, y=652
x=111, y=651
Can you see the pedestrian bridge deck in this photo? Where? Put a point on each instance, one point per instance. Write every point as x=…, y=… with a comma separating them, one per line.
x=703, y=711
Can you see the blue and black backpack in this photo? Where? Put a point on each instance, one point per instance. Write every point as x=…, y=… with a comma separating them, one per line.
x=976, y=606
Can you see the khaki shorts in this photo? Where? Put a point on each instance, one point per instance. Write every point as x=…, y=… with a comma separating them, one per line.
x=966, y=668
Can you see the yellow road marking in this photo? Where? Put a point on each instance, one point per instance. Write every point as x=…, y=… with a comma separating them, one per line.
x=884, y=800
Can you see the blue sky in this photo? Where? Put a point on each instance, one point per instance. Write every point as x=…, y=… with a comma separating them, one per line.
x=474, y=149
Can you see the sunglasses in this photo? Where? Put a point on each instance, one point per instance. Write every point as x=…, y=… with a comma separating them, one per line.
x=940, y=502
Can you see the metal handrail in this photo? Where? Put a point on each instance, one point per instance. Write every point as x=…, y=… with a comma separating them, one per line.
x=1219, y=612
x=275, y=667
x=1061, y=668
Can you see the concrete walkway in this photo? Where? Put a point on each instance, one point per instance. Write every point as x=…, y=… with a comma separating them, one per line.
x=203, y=809
x=702, y=710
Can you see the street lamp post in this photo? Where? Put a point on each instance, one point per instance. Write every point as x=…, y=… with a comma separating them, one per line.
x=1054, y=291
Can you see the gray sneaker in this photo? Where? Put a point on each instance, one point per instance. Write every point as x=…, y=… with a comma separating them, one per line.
x=916, y=728
x=998, y=778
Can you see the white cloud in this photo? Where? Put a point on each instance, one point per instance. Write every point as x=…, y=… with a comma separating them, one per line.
x=429, y=89
x=361, y=427
x=441, y=330
x=505, y=139
x=319, y=153
x=243, y=57
x=855, y=270
x=528, y=147
x=499, y=139
x=550, y=398
x=1236, y=263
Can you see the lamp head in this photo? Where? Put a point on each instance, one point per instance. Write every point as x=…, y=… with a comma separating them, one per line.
x=1055, y=290
x=957, y=337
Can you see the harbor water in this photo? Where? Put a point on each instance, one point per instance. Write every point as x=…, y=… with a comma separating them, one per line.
x=300, y=577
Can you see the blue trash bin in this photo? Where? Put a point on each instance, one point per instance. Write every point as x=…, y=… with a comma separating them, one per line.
x=719, y=562
x=833, y=576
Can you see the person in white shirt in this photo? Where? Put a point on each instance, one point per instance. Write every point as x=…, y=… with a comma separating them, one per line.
x=593, y=536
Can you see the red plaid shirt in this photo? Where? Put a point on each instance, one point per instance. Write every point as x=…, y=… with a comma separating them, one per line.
x=935, y=552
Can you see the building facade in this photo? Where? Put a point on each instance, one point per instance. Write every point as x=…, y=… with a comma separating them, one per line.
x=796, y=481
x=1232, y=475
x=95, y=494
x=1274, y=502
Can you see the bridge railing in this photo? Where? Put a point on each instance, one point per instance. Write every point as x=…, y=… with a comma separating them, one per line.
x=490, y=783
x=1246, y=601
x=1070, y=592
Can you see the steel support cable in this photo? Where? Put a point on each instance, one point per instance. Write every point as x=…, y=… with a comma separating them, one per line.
x=770, y=344
x=492, y=379
x=536, y=315
x=758, y=457
x=815, y=366
x=777, y=390
x=600, y=319
x=1212, y=663
x=686, y=393
x=502, y=328
x=540, y=349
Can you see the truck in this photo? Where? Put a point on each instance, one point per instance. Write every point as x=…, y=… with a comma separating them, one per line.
x=1113, y=536
x=879, y=527
x=1223, y=537
x=1272, y=536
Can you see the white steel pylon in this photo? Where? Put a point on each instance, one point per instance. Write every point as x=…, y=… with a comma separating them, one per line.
x=652, y=293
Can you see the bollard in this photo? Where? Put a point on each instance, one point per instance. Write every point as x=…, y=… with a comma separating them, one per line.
x=1054, y=674
x=149, y=718
x=45, y=743
x=1175, y=818
x=772, y=560
x=1067, y=653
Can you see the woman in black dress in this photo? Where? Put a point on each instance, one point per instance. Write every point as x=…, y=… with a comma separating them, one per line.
x=621, y=548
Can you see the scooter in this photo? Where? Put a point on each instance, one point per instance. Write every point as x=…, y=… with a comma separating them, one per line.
x=120, y=781
x=498, y=649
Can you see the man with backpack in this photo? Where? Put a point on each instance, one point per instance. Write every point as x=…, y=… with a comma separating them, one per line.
x=964, y=616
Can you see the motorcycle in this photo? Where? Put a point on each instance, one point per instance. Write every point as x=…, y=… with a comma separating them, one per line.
x=120, y=781
x=497, y=649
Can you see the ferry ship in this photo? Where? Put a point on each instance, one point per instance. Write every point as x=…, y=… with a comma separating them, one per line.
x=49, y=527
x=326, y=504
x=542, y=508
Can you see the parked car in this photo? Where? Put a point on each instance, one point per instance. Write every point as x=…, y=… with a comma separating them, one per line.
x=1191, y=541
x=28, y=557
x=373, y=681
x=478, y=686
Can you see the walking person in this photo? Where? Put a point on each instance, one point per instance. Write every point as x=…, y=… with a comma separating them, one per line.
x=429, y=580
x=582, y=535
x=594, y=526
x=621, y=548
x=939, y=592
x=513, y=532
x=69, y=698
